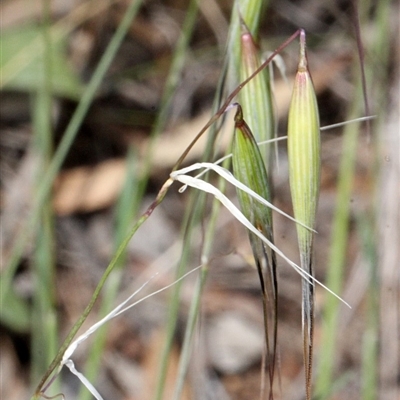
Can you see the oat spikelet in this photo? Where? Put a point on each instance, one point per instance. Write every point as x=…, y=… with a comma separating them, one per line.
x=304, y=173
x=256, y=97
x=249, y=168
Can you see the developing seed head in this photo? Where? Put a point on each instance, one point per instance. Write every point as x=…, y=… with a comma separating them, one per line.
x=256, y=97
x=249, y=168
x=304, y=173
x=304, y=148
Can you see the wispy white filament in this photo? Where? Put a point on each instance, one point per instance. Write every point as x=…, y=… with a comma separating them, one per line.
x=83, y=379
x=116, y=311
x=122, y=307
x=224, y=173
x=187, y=180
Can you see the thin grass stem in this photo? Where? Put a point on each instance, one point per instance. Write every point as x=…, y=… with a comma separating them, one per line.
x=44, y=316
x=337, y=258
x=64, y=146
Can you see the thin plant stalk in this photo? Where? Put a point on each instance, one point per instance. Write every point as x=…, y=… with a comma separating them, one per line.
x=250, y=13
x=196, y=302
x=381, y=367
x=369, y=365
x=57, y=360
x=337, y=258
x=189, y=331
x=368, y=223
x=35, y=48
x=63, y=148
x=127, y=208
x=340, y=233
x=250, y=8
x=170, y=86
x=190, y=220
x=121, y=249
x=44, y=320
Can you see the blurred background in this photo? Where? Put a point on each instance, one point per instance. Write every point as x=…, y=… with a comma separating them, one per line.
x=98, y=101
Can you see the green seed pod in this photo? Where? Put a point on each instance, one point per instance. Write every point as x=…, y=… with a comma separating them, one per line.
x=304, y=173
x=249, y=168
x=304, y=150
x=256, y=97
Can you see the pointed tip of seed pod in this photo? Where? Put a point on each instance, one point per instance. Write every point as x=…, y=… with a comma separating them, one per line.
x=245, y=31
x=239, y=114
x=303, y=57
x=233, y=105
x=247, y=39
x=243, y=24
x=241, y=124
x=249, y=59
x=302, y=35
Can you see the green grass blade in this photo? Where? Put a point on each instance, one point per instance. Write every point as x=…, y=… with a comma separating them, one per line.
x=189, y=331
x=65, y=144
x=251, y=12
x=127, y=208
x=369, y=364
x=191, y=219
x=337, y=258
x=170, y=86
x=44, y=316
x=113, y=263
x=172, y=82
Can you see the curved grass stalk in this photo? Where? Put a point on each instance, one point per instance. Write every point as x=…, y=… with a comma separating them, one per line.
x=281, y=138
x=120, y=309
x=121, y=249
x=60, y=155
x=195, y=306
x=158, y=200
x=126, y=211
x=169, y=89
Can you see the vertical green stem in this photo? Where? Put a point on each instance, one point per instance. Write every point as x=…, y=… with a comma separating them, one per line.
x=195, y=305
x=192, y=216
x=369, y=365
x=337, y=256
x=43, y=318
x=126, y=210
x=64, y=146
